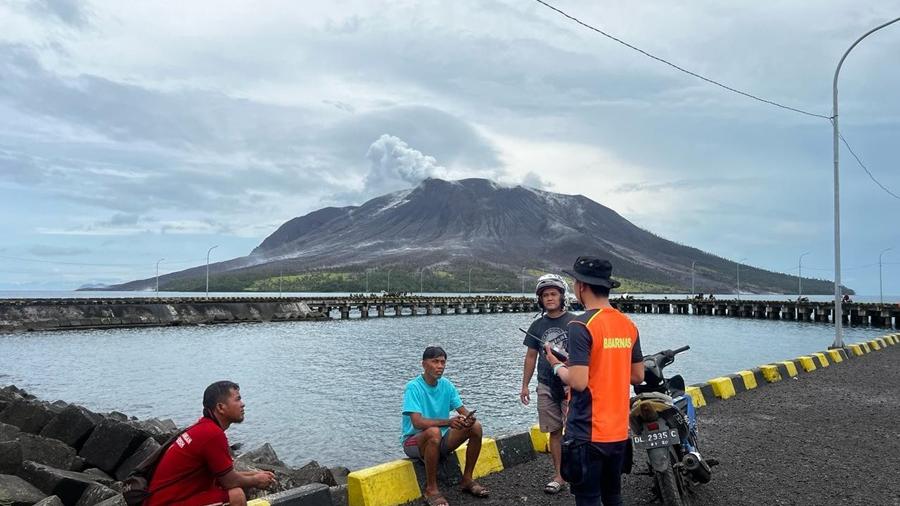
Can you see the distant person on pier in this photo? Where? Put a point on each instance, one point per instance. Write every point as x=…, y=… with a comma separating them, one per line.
x=846, y=299
x=604, y=360
x=197, y=469
x=550, y=392
x=429, y=434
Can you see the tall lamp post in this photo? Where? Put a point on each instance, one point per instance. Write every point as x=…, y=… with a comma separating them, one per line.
x=739, y=277
x=157, y=275
x=389, y=280
x=207, y=268
x=421, y=275
x=838, y=312
x=522, y=275
x=280, y=275
x=800, y=276
x=470, y=280
x=692, y=278
x=880, y=285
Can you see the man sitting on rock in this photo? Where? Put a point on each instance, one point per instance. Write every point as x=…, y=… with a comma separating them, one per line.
x=429, y=434
x=197, y=469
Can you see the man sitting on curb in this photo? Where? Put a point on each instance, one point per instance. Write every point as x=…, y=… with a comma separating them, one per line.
x=427, y=432
x=198, y=469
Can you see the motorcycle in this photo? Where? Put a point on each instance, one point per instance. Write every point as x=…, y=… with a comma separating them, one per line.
x=663, y=422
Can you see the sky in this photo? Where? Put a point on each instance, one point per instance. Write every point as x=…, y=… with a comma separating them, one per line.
x=137, y=131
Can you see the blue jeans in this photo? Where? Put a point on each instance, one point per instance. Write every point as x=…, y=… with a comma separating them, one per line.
x=595, y=469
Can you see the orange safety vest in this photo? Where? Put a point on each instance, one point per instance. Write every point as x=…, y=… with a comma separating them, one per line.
x=613, y=335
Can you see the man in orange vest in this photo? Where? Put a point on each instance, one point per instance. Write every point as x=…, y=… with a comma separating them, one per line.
x=604, y=360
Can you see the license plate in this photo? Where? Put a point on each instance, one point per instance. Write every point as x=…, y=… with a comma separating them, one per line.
x=656, y=439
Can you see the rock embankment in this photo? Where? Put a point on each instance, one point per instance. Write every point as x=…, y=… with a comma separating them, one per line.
x=62, y=454
x=68, y=314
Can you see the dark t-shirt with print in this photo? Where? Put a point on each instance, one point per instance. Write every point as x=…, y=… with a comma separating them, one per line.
x=553, y=331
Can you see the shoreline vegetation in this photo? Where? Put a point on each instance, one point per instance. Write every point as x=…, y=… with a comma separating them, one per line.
x=483, y=280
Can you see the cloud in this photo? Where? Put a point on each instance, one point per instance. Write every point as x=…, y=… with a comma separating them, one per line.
x=536, y=181
x=70, y=12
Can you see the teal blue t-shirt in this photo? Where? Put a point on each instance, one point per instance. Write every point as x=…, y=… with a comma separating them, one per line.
x=431, y=401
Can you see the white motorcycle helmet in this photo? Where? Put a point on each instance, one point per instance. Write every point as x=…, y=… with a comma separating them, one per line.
x=551, y=281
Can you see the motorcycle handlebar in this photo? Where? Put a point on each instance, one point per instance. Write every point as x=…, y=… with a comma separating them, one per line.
x=679, y=350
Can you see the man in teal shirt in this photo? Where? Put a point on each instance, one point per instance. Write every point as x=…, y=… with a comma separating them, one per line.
x=429, y=434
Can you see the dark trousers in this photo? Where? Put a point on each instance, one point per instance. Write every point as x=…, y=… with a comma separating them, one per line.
x=602, y=470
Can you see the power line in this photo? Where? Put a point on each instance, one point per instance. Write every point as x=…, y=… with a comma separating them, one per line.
x=847, y=144
x=679, y=68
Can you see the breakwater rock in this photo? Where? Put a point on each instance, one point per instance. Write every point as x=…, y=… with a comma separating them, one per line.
x=68, y=314
x=64, y=454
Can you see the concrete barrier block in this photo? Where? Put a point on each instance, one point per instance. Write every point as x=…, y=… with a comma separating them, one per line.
x=540, y=441
x=749, y=379
x=866, y=348
x=737, y=382
x=143, y=451
x=386, y=484
x=889, y=339
x=47, y=451
x=15, y=491
x=339, y=495
x=72, y=425
x=68, y=485
x=313, y=494
x=770, y=373
x=489, y=461
x=49, y=501
x=515, y=449
x=722, y=387
x=874, y=344
x=95, y=494
x=110, y=444
x=10, y=457
x=857, y=350
x=28, y=416
x=820, y=359
x=709, y=396
x=835, y=356
x=697, y=398
x=806, y=362
x=789, y=369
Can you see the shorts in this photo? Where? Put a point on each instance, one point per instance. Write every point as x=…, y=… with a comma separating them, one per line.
x=411, y=446
x=212, y=496
x=551, y=414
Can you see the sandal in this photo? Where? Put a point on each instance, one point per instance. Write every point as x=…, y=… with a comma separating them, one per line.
x=436, y=500
x=554, y=487
x=475, y=489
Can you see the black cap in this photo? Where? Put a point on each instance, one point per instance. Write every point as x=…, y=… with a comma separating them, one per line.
x=593, y=271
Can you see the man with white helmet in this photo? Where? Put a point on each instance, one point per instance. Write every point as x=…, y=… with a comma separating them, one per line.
x=550, y=328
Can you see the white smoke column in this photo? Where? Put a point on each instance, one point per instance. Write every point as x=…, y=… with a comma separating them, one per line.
x=395, y=165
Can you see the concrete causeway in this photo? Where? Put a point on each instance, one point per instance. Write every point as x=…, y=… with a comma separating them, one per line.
x=829, y=436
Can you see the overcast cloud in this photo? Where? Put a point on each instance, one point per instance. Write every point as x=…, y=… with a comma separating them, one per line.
x=130, y=134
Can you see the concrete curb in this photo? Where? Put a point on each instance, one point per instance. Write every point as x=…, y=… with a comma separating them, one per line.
x=401, y=481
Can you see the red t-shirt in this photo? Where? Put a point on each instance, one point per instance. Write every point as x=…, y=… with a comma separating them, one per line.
x=191, y=465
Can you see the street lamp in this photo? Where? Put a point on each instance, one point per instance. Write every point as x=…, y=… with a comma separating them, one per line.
x=389, y=281
x=838, y=313
x=739, y=277
x=880, y=285
x=280, y=275
x=470, y=280
x=692, y=278
x=523, y=281
x=421, y=274
x=800, y=276
x=157, y=275
x=207, y=268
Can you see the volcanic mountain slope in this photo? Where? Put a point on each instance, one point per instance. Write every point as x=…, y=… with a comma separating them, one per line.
x=453, y=225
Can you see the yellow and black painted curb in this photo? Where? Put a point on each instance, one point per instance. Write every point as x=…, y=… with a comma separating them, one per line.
x=726, y=387
x=400, y=481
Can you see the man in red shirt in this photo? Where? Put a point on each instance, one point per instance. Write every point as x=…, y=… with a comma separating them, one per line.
x=197, y=469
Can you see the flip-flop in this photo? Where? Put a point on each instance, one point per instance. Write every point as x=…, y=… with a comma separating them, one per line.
x=475, y=489
x=554, y=487
x=436, y=500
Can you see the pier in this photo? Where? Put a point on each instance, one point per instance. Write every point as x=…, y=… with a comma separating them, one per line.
x=76, y=313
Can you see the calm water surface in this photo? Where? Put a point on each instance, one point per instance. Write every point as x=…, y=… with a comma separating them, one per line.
x=331, y=391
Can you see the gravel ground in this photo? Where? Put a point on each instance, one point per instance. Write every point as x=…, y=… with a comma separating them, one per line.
x=827, y=437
